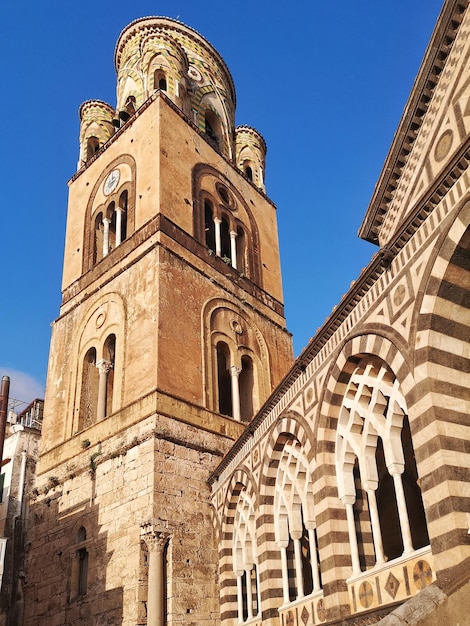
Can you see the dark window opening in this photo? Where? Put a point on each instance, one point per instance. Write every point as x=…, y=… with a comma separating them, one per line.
x=109, y=353
x=249, y=173
x=241, y=250
x=246, y=389
x=209, y=227
x=92, y=147
x=225, y=251
x=224, y=379
x=89, y=390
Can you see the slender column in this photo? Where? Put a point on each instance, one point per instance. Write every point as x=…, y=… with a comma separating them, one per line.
x=375, y=524
x=156, y=595
x=233, y=248
x=249, y=594
x=298, y=569
x=314, y=559
x=103, y=368
x=218, y=238
x=348, y=502
x=234, y=373
x=402, y=510
x=240, y=597
x=285, y=574
x=106, y=223
x=119, y=214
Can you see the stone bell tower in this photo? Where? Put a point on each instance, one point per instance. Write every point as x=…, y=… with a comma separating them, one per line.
x=171, y=335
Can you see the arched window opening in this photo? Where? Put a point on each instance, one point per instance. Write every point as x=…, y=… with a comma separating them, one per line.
x=121, y=218
x=241, y=247
x=212, y=128
x=89, y=390
x=244, y=555
x=294, y=524
x=79, y=582
x=109, y=229
x=224, y=379
x=159, y=80
x=92, y=147
x=109, y=354
x=130, y=105
x=98, y=239
x=246, y=383
x=413, y=497
x=209, y=226
x=249, y=172
x=376, y=470
x=225, y=251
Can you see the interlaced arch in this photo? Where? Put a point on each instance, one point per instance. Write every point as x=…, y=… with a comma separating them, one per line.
x=377, y=483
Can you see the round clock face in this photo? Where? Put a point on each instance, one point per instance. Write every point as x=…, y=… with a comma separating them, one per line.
x=111, y=182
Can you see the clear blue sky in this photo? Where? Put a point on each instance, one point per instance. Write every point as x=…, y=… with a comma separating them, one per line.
x=324, y=82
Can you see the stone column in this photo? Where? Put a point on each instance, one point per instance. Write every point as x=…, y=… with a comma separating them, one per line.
x=374, y=522
x=106, y=223
x=314, y=559
x=234, y=373
x=348, y=502
x=396, y=470
x=240, y=596
x=156, y=543
x=218, y=238
x=285, y=572
x=103, y=368
x=233, y=248
x=299, y=578
x=249, y=594
x=119, y=214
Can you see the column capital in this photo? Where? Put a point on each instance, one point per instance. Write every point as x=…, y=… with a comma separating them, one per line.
x=156, y=540
x=235, y=371
x=106, y=220
x=104, y=366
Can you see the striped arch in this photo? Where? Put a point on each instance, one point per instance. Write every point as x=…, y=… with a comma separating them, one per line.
x=442, y=399
x=333, y=529
x=238, y=551
x=288, y=512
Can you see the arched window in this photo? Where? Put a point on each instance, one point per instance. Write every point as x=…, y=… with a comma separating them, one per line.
x=246, y=383
x=248, y=172
x=121, y=218
x=98, y=238
x=224, y=382
x=244, y=554
x=92, y=147
x=159, y=80
x=225, y=250
x=209, y=226
x=376, y=469
x=89, y=390
x=212, y=128
x=108, y=355
x=79, y=582
x=294, y=525
x=241, y=247
x=130, y=105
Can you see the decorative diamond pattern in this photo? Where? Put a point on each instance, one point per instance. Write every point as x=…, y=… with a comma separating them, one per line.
x=305, y=615
x=391, y=586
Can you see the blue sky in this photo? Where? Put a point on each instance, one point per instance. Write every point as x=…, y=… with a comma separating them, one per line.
x=324, y=82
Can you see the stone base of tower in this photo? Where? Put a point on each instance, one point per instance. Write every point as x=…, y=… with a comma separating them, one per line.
x=104, y=502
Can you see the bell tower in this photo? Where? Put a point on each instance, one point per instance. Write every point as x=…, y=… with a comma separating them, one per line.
x=171, y=335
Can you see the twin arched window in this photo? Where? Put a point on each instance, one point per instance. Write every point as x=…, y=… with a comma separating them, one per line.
x=224, y=237
x=97, y=385
x=110, y=227
x=235, y=385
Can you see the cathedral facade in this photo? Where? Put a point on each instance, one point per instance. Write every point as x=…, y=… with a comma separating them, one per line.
x=191, y=472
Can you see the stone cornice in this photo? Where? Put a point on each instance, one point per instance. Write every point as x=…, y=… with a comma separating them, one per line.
x=413, y=116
